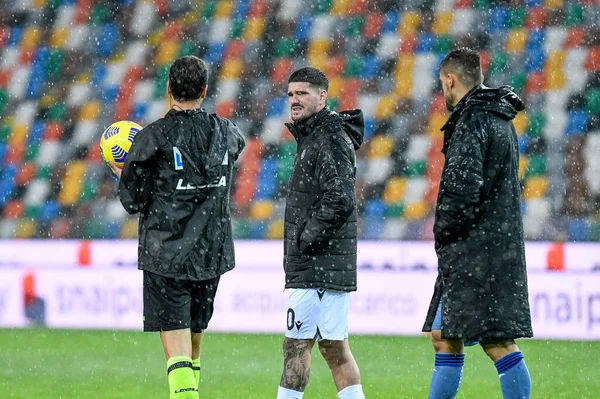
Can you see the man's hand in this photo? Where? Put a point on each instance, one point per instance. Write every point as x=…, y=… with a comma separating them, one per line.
x=115, y=169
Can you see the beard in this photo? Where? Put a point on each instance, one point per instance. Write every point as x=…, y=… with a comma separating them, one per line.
x=307, y=112
x=450, y=104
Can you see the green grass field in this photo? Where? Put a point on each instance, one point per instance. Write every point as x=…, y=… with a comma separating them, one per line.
x=61, y=364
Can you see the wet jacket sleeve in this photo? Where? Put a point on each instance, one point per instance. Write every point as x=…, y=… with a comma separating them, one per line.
x=235, y=140
x=136, y=183
x=462, y=183
x=335, y=175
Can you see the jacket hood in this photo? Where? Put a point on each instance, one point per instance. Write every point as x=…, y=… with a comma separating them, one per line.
x=352, y=122
x=205, y=165
x=502, y=101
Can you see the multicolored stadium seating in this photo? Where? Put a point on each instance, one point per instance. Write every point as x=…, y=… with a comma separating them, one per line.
x=70, y=68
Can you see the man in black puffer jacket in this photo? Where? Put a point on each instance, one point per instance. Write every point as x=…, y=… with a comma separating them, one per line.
x=481, y=289
x=320, y=236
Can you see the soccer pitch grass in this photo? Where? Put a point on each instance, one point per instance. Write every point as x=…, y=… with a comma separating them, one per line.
x=65, y=364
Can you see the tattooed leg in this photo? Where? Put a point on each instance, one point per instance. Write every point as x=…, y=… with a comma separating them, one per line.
x=296, y=363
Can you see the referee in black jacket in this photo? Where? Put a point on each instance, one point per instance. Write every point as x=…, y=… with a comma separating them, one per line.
x=178, y=177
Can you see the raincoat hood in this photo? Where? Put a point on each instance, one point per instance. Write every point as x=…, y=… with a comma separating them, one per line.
x=204, y=165
x=353, y=124
x=502, y=101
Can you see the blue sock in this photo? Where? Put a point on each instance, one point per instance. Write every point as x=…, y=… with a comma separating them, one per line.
x=447, y=374
x=514, y=376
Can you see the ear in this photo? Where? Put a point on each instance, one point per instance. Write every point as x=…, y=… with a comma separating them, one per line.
x=450, y=80
x=323, y=96
x=203, y=94
x=168, y=89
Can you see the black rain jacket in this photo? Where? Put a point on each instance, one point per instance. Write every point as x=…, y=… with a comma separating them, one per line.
x=478, y=230
x=320, y=214
x=178, y=176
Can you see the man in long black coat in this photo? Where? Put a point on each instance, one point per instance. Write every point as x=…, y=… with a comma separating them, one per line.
x=481, y=289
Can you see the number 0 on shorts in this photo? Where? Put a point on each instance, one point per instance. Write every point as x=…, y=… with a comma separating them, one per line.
x=316, y=313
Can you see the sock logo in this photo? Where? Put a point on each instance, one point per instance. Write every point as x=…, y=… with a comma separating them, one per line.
x=185, y=390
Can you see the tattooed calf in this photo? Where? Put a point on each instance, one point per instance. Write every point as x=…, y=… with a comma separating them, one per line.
x=296, y=363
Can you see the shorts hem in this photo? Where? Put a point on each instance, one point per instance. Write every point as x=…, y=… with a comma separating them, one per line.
x=332, y=338
x=155, y=328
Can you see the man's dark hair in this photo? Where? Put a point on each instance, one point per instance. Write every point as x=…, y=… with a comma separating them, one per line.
x=311, y=75
x=188, y=77
x=465, y=64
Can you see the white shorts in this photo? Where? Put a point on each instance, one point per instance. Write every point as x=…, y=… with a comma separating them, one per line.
x=316, y=313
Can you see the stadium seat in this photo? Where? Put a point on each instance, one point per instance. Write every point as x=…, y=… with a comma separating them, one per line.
x=381, y=147
x=275, y=230
x=257, y=230
x=443, y=22
x=418, y=147
x=577, y=124
x=114, y=211
x=378, y=170
x=535, y=187
x=462, y=21
x=592, y=62
x=498, y=19
x=394, y=229
x=536, y=18
x=261, y=210
x=409, y=23
x=373, y=24
x=416, y=211
x=36, y=192
x=72, y=183
x=536, y=165
x=129, y=229
x=516, y=41
x=394, y=190
x=415, y=190
x=575, y=37
x=592, y=101
x=579, y=230
x=555, y=37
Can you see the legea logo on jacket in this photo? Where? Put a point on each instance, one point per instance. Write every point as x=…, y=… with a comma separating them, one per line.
x=178, y=159
x=181, y=185
x=219, y=182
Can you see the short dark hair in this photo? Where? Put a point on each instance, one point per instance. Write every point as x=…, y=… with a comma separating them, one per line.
x=311, y=75
x=465, y=64
x=188, y=77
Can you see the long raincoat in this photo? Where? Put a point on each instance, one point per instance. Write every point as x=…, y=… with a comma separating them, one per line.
x=478, y=230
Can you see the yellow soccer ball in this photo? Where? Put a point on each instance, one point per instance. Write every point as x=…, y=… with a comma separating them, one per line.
x=116, y=141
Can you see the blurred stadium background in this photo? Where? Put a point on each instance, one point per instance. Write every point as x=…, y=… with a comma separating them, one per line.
x=69, y=68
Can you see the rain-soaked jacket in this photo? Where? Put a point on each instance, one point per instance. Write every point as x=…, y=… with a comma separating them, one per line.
x=178, y=176
x=478, y=229
x=320, y=215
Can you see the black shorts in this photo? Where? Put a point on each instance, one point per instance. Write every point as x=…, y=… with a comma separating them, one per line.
x=172, y=304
